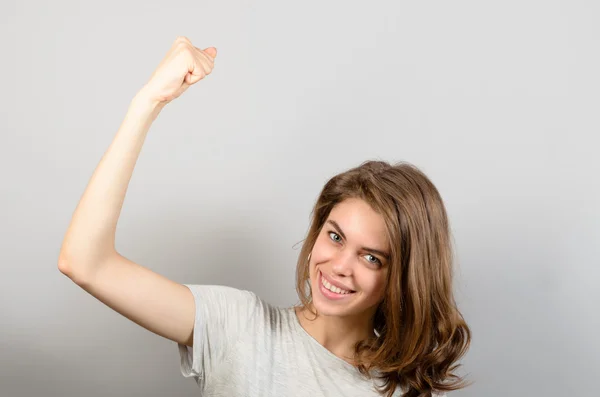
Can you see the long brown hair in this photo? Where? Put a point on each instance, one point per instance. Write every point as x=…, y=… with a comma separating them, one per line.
x=421, y=333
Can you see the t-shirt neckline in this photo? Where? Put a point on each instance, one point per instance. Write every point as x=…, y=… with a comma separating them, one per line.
x=324, y=351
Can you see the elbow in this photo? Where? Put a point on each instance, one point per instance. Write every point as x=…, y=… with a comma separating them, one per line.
x=68, y=267
x=63, y=264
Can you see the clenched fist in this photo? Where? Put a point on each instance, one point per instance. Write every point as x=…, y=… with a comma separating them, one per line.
x=183, y=66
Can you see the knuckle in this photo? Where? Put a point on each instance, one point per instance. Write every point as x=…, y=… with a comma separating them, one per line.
x=184, y=51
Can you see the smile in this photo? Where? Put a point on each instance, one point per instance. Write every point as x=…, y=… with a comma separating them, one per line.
x=331, y=291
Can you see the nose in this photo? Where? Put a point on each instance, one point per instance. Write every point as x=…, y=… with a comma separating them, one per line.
x=343, y=263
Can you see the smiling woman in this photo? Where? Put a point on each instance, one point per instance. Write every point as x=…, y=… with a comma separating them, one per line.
x=340, y=261
x=375, y=272
x=376, y=315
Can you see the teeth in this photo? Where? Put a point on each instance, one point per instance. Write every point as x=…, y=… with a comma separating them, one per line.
x=333, y=288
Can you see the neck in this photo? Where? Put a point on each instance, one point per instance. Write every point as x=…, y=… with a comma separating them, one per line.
x=339, y=335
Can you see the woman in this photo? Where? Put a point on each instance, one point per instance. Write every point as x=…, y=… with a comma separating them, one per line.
x=377, y=315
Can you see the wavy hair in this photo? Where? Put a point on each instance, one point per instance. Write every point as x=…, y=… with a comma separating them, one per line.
x=420, y=333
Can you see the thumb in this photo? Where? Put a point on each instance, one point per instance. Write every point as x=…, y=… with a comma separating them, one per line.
x=211, y=52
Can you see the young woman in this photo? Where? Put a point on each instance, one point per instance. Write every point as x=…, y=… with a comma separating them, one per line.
x=377, y=315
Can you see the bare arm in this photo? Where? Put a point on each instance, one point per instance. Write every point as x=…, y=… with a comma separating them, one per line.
x=88, y=255
x=90, y=238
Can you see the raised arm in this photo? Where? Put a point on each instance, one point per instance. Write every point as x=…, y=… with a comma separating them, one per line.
x=88, y=255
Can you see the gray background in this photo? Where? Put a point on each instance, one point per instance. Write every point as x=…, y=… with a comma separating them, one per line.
x=496, y=101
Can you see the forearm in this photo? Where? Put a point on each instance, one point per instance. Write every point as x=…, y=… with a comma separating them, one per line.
x=90, y=237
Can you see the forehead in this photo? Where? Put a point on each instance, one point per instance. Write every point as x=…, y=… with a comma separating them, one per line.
x=360, y=223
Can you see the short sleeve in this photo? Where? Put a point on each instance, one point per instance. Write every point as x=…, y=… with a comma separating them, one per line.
x=222, y=314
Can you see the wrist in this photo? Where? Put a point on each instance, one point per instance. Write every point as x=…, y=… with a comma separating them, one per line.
x=145, y=103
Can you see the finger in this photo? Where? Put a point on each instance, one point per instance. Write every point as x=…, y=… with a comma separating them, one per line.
x=210, y=53
x=196, y=74
x=205, y=58
x=206, y=66
x=193, y=78
x=203, y=62
x=193, y=65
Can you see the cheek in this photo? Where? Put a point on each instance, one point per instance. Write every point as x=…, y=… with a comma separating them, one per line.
x=373, y=283
x=323, y=250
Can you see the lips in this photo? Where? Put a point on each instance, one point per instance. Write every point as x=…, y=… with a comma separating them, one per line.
x=336, y=283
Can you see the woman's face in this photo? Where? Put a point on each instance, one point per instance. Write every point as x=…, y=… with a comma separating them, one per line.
x=348, y=262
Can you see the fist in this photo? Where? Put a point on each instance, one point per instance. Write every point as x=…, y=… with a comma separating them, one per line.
x=183, y=66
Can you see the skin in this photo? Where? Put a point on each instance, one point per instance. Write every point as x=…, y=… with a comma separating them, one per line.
x=341, y=323
x=88, y=254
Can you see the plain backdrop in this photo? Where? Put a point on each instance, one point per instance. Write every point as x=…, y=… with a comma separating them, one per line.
x=497, y=102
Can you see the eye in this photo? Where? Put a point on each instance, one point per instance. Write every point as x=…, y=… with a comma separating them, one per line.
x=375, y=260
x=333, y=235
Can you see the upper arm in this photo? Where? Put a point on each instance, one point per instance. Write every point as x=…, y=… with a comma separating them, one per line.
x=149, y=299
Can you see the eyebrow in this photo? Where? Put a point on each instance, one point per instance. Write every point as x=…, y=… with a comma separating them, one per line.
x=341, y=232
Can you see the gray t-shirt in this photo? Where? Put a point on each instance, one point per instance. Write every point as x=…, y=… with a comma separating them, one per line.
x=245, y=347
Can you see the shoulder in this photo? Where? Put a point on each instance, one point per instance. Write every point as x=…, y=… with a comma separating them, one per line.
x=208, y=291
x=224, y=297
x=232, y=305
